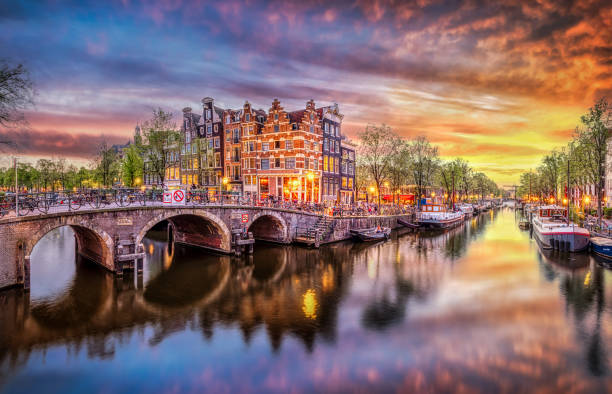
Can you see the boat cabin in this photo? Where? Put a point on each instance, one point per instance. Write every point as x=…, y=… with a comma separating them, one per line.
x=433, y=208
x=552, y=213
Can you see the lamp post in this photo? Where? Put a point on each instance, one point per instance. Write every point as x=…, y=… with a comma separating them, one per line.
x=16, y=189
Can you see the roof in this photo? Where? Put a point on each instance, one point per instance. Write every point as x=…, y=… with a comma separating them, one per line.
x=296, y=116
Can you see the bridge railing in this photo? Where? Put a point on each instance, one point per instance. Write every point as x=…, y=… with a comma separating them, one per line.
x=66, y=201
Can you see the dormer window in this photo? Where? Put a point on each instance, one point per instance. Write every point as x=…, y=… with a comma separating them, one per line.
x=228, y=119
x=275, y=116
x=247, y=117
x=208, y=114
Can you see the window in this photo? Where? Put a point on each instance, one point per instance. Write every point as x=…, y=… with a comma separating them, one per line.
x=315, y=146
x=337, y=147
x=236, y=136
x=194, y=149
x=216, y=128
x=290, y=162
x=276, y=128
x=252, y=163
x=228, y=119
x=316, y=164
x=217, y=159
x=265, y=164
x=344, y=182
x=265, y=146
x=350, y=183
x=306, y=162
x=188, y=137
x=277, y=163
x=311, y=128
x=276, y=144
x=247, y=117
x=289, y=144
x=326, y=127
x=251, y=146
x=275, y=116
x=208, y=130
x=208, y=114
x=312, y=117
x=217, y=142
x=325, y=158
x=325, y=147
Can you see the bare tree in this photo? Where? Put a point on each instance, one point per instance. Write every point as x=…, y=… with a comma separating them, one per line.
x=16, y=94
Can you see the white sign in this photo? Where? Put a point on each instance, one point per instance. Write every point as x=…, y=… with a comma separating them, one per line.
x=175, y=197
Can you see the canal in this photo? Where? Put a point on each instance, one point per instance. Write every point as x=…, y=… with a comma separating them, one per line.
x=479, y=308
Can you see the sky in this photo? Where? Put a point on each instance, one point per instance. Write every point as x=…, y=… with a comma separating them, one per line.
x=499, y=83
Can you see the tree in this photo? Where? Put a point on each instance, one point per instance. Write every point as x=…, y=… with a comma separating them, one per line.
x=15, y=94
x=378, y=146
x=106, y=166
x=450, y=174
x=131, y=166
x=399, y=169
x=592, y=144
x=160, y=133
x=424, y=161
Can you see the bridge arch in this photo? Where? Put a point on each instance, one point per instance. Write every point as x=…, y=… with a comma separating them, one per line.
x=269, y=226
x=94, y=244
x=194, y=227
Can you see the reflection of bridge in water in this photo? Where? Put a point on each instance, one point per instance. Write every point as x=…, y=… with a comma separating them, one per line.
x=113, y=237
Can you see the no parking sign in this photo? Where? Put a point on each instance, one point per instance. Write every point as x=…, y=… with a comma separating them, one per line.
x=175, y=197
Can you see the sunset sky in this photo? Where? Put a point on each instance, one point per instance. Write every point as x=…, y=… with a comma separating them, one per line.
x=497, y=83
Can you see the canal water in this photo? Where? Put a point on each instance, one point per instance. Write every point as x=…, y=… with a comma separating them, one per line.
x=477, y=309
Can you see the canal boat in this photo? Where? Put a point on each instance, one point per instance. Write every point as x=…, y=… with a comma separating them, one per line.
x=371, y=234
x=553, y=231
x=408, y=224
x=467, y=209
x=436, y=216
x=602, y=247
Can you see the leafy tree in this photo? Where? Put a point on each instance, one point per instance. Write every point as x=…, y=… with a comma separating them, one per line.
x=399, y=169
x=378, y=146
x=424, y=162
x=106, y=165
x=592, y=145
x=160, y=134
x=132, y=164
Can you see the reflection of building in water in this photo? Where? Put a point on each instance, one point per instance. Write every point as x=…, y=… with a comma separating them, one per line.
x=582, y=283
x=286, y=290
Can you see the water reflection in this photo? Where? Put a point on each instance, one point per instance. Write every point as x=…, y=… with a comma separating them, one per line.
x=479, y=308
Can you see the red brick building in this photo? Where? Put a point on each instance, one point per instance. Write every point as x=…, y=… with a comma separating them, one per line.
x=284, y=160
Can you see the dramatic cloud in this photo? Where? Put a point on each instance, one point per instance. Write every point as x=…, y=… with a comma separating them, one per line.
x=497, y=82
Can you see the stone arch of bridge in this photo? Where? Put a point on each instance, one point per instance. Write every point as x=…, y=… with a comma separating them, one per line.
x=195, y=227
x=92, y=243
x=269, y=226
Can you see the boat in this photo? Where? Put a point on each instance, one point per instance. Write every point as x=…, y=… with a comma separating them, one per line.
x=408, y=224
x=602, y=246
x=437, y=217
x=467, y=209
x=524, y=225
x=371, y=234
x=553, y=231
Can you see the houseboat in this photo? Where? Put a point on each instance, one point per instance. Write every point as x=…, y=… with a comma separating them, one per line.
x=553, y=231
x=602, y=247
x=437, y=217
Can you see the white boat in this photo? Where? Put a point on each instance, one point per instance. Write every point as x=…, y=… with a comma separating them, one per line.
x=467, y=209
x=437, y=217
x=552, y=230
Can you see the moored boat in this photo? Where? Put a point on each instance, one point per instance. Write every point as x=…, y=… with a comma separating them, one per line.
x=602, y=247
x=553, y=231
x=408, y=224
x=467, y=209
x=437, y=217
x=371, y=234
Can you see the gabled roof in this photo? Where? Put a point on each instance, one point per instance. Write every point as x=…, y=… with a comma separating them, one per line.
x=296, y=116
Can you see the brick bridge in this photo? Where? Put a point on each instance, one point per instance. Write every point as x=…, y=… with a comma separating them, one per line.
x=113, y=237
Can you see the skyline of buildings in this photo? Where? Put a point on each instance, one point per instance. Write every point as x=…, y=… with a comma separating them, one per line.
x=299, y=155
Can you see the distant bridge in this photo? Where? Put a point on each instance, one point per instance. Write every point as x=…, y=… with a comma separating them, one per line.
x=112, y=237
